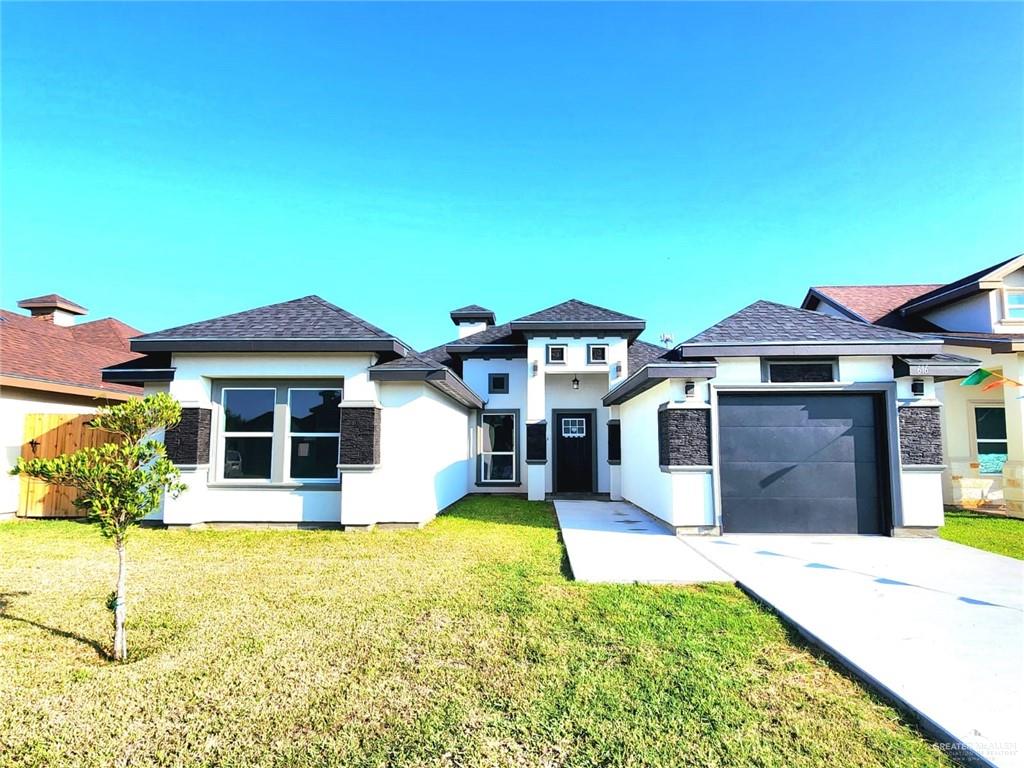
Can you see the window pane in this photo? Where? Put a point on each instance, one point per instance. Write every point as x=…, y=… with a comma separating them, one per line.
x=314, y=457
x=1015, y=298
x=1015, y=312
x=792, y=372
x=249, y=410
x=991, y=457
x=315, y=410
x=499, y=432
x=247, y=457
x=597, y=354
x=556, y=354
x=990, y=423
x=498, y=467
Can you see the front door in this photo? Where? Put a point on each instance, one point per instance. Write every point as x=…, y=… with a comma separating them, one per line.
x=574, y=452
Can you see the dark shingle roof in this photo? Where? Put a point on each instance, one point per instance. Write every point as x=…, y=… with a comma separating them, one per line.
x=766, y=322
x=470, y=308
x=575, y=310
x=496, y=334
x=310, y=317
x=640, y=353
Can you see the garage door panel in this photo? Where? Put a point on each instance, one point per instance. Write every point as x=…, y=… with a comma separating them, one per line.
x=800, y=463
x=798, y=444
x=769, y=411
x=822, y=480
x=795, y=515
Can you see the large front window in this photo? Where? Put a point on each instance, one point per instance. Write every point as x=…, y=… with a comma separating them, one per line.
x=248, y=433
x=279, y=433
x=990, y=434
x=314, y=430
x=498, y=447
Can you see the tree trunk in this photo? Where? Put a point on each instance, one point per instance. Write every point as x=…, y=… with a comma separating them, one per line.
x=120, y=609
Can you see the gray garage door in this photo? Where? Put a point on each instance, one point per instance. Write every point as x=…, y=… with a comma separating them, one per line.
x=801, y=463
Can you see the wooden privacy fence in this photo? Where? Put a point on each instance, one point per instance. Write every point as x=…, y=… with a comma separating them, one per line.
x=48, y=435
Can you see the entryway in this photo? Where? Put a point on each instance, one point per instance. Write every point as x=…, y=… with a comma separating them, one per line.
x=574, y=454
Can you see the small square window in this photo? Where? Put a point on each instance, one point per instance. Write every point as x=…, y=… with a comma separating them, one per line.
x=556, y=353
x=497, y=383
x=597, y=354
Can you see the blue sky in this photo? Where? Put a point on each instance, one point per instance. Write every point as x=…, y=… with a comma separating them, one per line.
x=166, y=163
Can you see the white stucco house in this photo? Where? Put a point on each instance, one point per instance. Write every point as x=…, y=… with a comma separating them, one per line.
x=775, y=419
x=979, y=316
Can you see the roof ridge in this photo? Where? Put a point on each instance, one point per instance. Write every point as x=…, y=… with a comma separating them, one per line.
x=876, y=285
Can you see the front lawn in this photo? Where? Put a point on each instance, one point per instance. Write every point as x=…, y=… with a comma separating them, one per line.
x=463, y=644
x=1002, y=535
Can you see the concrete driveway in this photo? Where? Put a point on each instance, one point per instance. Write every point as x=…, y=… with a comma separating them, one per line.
x=936, y=625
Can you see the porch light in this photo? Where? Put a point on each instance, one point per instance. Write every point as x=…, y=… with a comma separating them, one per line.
x=575, y=383
x=917, y=387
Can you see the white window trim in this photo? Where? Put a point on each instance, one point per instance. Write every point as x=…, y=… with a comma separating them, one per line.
x=590, y=352
x=289, y=435
x=1006, y=292
x=513, y=453
x=973, y=423
x=224, y=435
x=565, y=354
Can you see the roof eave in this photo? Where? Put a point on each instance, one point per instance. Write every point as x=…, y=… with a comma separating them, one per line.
x=142, y=344
x=918, y=306
x=808, y=348
x=136, y=375
x=653, y=374
x=472, y=317
x=436, y=377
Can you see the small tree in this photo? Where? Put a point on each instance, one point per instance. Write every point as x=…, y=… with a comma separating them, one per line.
x=119, y=482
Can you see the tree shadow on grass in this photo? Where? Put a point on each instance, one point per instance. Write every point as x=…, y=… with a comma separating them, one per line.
x=5, y=603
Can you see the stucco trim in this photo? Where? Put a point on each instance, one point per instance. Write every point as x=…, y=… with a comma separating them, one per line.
x=653, y=374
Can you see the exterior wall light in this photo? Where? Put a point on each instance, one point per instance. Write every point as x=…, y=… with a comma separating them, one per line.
x=917, y=387
x=689, y=389
x=533, y=368
x=575, y=382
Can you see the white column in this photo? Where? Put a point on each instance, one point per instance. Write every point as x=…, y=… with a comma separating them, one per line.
x=536, y=410
x=1013, y=471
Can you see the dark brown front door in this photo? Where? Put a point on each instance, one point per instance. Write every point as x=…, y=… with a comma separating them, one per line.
x=574, y=452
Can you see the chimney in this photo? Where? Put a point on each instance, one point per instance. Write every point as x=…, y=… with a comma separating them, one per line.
x=52, y=308
x=471, y=319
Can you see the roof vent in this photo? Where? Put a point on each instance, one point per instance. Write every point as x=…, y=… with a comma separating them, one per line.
x=52, y=308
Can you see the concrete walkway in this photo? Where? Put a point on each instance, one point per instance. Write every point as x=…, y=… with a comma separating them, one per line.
x=936, y=625
x=614, y=542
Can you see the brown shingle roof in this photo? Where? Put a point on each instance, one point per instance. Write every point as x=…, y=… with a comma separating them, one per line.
x=33, y=349
x=873, y=302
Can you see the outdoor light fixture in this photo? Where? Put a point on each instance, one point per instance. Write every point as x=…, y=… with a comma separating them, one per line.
x=917, y=387
x=689, y=389
x=575, y=383
x=534, y=366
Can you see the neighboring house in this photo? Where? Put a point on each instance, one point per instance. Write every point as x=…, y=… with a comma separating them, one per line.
x=980, y=316
x=775, y=419
x=51, y=364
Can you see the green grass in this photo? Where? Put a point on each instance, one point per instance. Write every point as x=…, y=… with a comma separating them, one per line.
x=1002, y=535
x=463, y=644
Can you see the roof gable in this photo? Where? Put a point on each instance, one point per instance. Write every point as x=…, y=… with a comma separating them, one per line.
x=306, y=324
x=765, y=323
x=575, y=310
x=868, y=303
x=982, y=280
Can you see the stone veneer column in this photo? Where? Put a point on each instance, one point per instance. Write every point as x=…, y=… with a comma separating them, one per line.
x=188, y=444
x=921, y=461
x=685, y=454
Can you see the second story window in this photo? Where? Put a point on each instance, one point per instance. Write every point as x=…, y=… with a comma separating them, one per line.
x=597, y=354
x=1013, y=303
x=556, y=354
x=497, y=383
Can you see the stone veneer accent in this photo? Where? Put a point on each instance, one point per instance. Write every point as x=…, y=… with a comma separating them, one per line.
x=614, y=442
x=189, y=442
x=360, y=435
x=684, y=437
x=920, y=435
x=537, y=443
